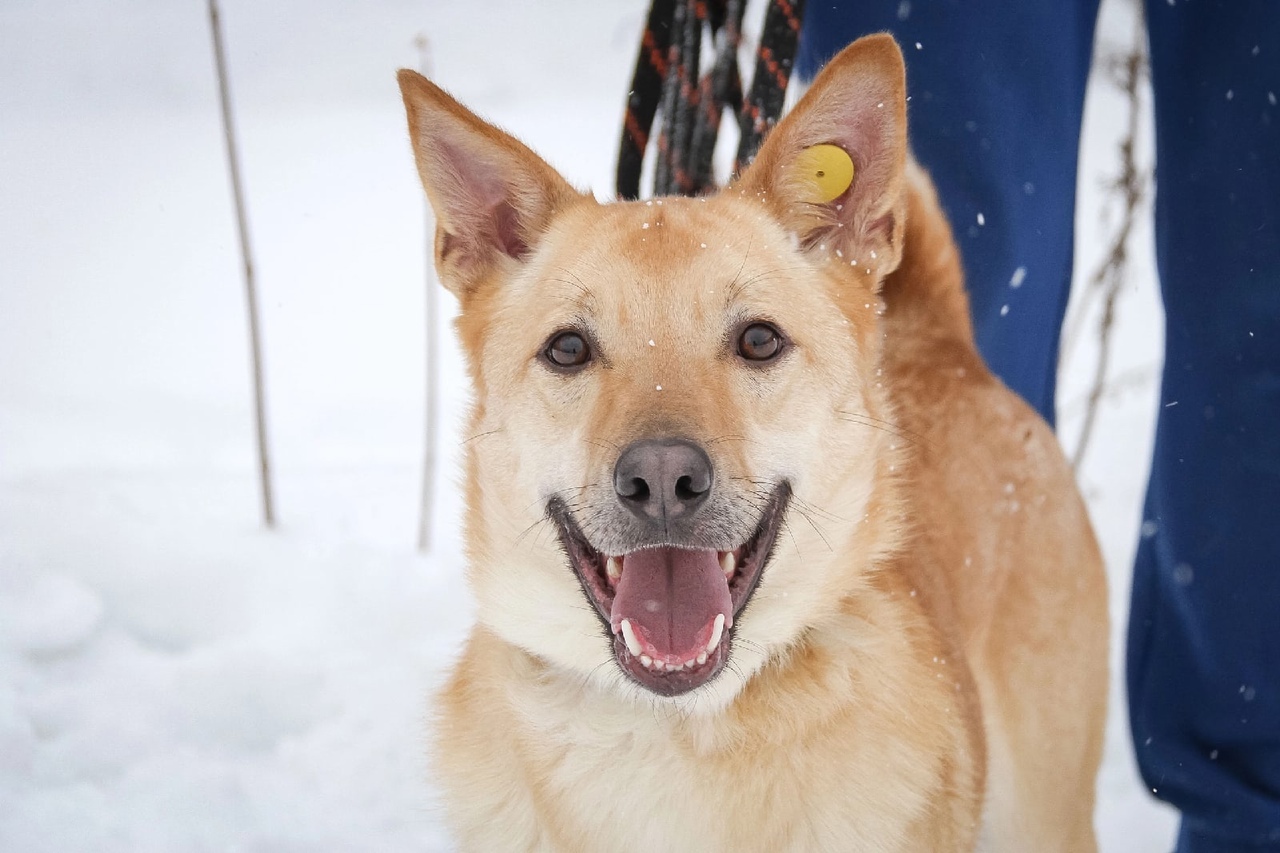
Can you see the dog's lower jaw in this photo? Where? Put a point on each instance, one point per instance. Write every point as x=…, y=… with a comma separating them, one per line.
x=741, y=662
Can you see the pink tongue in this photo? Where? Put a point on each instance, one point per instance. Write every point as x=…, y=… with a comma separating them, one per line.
x=672, y=596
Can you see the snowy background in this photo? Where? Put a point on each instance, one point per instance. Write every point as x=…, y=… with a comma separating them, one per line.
x=172, y=678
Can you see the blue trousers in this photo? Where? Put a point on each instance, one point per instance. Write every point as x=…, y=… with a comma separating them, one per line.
x=997, y=92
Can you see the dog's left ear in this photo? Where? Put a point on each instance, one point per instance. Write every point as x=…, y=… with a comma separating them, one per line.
x=858, y=105
x=492, y=196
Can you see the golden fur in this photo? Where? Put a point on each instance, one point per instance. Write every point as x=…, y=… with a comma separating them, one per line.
x=923, y=665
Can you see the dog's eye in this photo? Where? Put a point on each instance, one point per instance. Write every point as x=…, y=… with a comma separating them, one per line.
x=759, y=342
x=568, y=349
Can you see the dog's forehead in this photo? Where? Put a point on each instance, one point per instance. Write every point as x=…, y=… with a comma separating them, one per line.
x=678, y=255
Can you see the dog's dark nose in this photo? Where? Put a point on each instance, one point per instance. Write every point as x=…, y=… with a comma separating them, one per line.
x=662, y=480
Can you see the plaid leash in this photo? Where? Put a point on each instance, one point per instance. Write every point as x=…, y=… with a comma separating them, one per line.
x=774, y=60
x=689, y=107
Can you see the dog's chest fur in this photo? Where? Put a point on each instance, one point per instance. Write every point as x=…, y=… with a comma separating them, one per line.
x=581, y=769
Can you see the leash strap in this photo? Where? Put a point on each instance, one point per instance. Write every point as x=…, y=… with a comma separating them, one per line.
x=720, y=88
x=689, y=107
x=642, y=101
x=679, y=100
x=774, y=60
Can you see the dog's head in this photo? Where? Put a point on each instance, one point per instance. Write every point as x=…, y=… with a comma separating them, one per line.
x=681, y=456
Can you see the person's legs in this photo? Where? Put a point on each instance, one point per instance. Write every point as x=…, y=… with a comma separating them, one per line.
x=997, y=94
x=1204, y=632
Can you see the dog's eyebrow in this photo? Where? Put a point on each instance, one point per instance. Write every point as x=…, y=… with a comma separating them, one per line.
x=584, y=299
x=738, y=288
x=735, y=288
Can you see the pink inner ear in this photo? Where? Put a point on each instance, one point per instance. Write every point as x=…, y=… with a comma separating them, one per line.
x=866, y=132
x=478, y=204
x=857, y=219
x=507, y=227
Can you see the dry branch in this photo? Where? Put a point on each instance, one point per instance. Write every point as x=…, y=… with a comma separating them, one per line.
x=251, y=293
x=1129, y=188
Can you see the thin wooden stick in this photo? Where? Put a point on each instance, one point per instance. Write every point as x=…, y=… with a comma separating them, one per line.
x=251, y=291
x=426, y=511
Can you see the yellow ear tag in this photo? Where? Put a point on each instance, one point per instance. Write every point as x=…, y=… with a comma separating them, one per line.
x=830, y=171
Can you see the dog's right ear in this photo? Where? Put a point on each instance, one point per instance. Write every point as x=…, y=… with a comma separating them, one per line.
x=492, y=196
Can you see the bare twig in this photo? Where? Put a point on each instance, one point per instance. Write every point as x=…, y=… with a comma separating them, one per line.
x=426, y=511
x=1129, y=188
x=1118, y=385
x=251, y=293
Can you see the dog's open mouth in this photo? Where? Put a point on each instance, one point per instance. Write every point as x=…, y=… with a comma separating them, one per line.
x=670, y=609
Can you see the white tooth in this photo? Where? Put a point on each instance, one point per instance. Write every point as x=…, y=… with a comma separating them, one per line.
x=613, y=566
x=716, y=630
x=629, y=635
x=728, y=563
x=646, y=660
x=702, y=658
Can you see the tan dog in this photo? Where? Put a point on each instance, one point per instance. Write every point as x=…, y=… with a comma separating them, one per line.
x=762, y=562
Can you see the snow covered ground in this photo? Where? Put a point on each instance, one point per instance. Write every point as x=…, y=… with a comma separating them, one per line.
x=171, y=676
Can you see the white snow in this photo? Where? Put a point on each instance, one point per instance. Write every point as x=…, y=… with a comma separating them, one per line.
x=173, y=678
